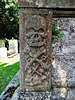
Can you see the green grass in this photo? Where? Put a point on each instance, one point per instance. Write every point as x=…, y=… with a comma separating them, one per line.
x=8, y=69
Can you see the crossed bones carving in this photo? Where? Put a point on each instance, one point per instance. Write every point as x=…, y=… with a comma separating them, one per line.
x=35, y=69
x=36, y=59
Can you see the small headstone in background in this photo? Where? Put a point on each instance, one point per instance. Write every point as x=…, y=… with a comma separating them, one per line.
x=3, y=52
x=2, y=43
x=13, y=45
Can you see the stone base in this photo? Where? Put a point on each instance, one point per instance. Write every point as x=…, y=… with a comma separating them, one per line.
x=55, y=94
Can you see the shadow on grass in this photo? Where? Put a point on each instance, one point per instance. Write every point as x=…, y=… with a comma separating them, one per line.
x=7, y=73
x=2, y=64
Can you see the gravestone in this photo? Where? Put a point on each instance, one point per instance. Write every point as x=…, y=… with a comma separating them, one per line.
x=35, y=49
x=3, y=52
x=13, y=45
x=2, y=43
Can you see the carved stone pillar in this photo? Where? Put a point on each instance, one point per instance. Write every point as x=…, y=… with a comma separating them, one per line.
x=35, y=49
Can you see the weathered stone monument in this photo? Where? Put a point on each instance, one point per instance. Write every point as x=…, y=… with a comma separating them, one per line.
x=37, y=73
x=35, y=43
x=35, y=49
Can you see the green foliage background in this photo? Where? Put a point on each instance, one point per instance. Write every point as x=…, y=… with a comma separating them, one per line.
x=9, y=20
x=8, y=68
x=56, y=32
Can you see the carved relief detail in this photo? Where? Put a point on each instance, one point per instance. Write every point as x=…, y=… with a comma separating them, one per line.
x=36, y=69
x=36, y=31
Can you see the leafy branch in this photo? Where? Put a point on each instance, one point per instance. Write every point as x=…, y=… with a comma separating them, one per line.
x=56, y=32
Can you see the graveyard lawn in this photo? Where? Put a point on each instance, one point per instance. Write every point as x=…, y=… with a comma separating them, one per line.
x=8, y=68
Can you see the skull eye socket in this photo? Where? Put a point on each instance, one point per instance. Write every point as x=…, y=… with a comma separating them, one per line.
x=41, y=30
x=31, y=30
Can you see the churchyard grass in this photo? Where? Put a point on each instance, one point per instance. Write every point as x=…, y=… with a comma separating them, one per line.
x=8, y=68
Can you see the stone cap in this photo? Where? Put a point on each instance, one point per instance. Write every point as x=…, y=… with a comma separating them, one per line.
x=47, y=3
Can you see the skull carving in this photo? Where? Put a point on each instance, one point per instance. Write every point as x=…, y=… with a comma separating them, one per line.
x=36, y=31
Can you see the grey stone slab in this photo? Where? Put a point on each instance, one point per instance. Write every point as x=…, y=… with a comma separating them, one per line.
x=47, y=3
x=56, y=12
x=55, y=94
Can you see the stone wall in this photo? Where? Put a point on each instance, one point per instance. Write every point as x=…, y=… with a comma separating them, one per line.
x=47, y=3
x=63, y=54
